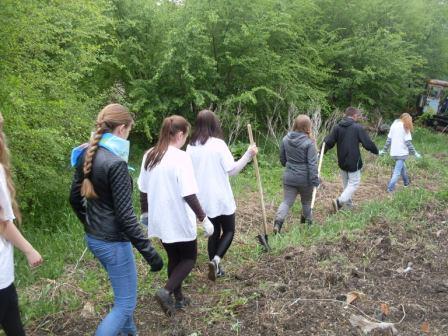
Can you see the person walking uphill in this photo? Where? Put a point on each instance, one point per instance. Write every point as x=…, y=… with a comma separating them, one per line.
x=299, y=155
x=213, y=164
x=10, y=236
x=348, y=134
x=400, y=142
x=168, y=196
x=101, y=196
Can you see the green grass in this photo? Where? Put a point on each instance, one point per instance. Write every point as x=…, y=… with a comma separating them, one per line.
x=44, y=291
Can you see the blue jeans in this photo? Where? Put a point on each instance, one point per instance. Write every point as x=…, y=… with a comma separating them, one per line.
x=399, y=170
x=118, y=260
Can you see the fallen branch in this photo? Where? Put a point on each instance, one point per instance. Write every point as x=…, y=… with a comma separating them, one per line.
x=367, y=326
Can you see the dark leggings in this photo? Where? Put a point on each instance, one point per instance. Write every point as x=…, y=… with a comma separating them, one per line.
x=224, y=230
x=9, y=312
x=181, y=259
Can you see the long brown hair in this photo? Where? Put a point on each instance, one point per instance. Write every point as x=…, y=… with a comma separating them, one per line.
x=110, y=117
x=302, y=123
x=207, y=125
x=170, y=127
x=407, y=122
x=6, y=163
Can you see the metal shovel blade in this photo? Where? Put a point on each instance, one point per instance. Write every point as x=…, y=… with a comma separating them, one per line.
x=263, y=240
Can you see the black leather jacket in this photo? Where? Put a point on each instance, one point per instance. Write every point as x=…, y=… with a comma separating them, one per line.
x=110, y=217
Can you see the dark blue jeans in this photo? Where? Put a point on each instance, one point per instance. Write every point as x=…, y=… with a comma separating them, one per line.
x=118, y=260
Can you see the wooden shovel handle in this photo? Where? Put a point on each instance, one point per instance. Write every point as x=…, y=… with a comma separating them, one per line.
x=321, y=157
x=260, y=187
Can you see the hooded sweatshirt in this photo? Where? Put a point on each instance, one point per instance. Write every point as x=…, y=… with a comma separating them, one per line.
x=348, y=134
x=299, y=155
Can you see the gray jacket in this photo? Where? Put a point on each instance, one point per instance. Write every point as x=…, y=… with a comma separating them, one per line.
x=299, y=155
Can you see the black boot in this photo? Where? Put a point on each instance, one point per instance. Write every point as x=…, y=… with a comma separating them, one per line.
x=309, y=222
x=163, y=297
x=302, y=219
x=278, y=226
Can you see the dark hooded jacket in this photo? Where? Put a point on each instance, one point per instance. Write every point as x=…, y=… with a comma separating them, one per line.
x=299, y=155
x=348, y=134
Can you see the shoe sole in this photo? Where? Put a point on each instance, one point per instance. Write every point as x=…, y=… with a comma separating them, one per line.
x=211, y=271
x=169, y=311
x=335, y=206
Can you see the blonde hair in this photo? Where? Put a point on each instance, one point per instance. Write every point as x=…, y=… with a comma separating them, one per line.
x=407, y=122
x=302, y=123
x=110, y=117
x=6, y=163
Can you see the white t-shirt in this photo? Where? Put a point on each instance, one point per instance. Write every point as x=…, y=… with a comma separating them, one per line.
x=6, y=248
x=399, y=137
x=212, y=162
x=169, y=216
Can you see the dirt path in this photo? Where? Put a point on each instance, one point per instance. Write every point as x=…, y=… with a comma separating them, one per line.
x=265, y=297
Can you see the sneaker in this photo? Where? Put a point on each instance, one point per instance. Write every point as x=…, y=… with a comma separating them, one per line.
x=220, y=272
x=163, y=297
x=277, y=226
x=336, y=205
x=182, y=303
x=212, y=270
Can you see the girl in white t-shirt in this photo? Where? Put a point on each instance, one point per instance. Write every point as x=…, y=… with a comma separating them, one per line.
x=168, y=197
x=10, y=236
x=400, y=142
x=213, y=164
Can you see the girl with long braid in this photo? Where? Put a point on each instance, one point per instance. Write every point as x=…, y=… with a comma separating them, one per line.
x=10, y=236
x=101, y=196
x=168, y=196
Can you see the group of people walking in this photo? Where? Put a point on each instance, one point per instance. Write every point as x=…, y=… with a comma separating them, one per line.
x=177, y=189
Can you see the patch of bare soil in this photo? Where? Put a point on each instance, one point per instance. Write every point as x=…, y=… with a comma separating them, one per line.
x=397, y=272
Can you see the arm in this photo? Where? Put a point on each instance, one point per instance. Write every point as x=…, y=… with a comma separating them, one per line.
x=331, y=139
x=194, y=204
x=76, y=200
x=121, y=186
x=365, y=140
x=387, y=144
x=12, y=233
x=410, y=147
x=282, y=154
x=240, y=164
x=312, y=165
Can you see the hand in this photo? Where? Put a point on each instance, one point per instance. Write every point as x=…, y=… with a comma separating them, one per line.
x=381, y=152
x=252, y=150
x=144, y=219
x=156, y=262
x=34, y=258
x=208, y=227
x=418, y=155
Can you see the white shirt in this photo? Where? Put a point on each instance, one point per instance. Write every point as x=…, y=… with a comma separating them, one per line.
x=6, y=248
x=169, y=216
x=212, y=162
x=399, y=136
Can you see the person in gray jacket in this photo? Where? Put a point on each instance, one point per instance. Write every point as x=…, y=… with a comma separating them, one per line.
x=298, y=154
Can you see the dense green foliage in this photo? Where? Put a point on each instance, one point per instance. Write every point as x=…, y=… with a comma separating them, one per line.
x=257, y=60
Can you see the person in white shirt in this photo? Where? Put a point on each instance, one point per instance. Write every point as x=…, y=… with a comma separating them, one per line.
x=400, y=141
x=168, y=197
x=213, y=164
x=10, y=236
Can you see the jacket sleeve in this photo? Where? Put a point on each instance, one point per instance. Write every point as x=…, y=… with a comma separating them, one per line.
x=366, y=142
x=76, y=200
x=331, y=139
x=312, y=164
x=121, y=187
x=282, y=154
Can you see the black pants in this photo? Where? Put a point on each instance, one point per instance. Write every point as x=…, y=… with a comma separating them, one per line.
x=224, y=230
x=9, y=312
x=181, y=259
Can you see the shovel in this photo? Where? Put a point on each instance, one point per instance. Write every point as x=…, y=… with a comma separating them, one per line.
x=263, y=236
x=321, y=157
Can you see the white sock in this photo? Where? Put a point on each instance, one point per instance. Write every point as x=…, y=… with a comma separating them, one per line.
x=217, y=259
